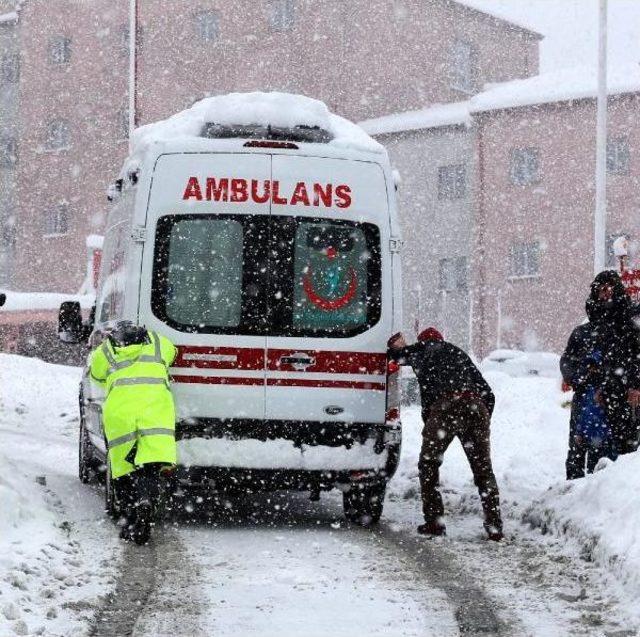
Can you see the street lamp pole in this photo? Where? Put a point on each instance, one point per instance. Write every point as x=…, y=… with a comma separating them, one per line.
x=133, y=67
x=600, y=221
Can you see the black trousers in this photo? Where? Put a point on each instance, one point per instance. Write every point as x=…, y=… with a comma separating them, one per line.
x=468, y=419
x=138, y=487
x=576, y=456
x=595, y=452
x=626, y=432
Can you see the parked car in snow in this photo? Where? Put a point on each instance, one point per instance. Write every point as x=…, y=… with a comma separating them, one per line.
x=518, y=363
x=259, y=233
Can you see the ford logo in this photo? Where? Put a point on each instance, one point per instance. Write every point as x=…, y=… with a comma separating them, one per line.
x=333, y=410
x=298, y=360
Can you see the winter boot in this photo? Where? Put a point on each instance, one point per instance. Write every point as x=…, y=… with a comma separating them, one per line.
x=494, y=532
x=432, y=528
x=142, y=526
x=126, y=532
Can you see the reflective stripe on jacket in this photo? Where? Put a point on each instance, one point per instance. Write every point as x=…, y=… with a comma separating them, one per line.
x=138, y=410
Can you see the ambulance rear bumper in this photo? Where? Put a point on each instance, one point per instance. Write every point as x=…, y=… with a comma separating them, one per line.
x=274, y=455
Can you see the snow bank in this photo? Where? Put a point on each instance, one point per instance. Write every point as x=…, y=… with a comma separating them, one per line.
x=18, y=301
x=603, y=512
x=277, y=109
x=52, y=553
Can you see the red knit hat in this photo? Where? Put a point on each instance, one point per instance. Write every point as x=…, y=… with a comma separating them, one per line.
x=430, y=334
x=394, y=338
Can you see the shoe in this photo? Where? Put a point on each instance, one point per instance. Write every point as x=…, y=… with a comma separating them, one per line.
x=142, y=532
x=142, y=524
x=126, y=533
x=432, y=528
x=494, y=533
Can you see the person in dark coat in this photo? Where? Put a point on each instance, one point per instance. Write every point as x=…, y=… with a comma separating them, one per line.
x=456, y=401
x=610, y=333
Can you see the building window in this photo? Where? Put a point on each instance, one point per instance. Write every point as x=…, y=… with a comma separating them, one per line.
x=10, y=68
x=618, y=156
x=207, y=26
x=281, y=14
x=453, y=274
x=452, y=181
x=464, y=67
x=58, y=135
x=60, y=50
x=56, y=220
x=8, y=152
x=525, y=259
x=525, y=166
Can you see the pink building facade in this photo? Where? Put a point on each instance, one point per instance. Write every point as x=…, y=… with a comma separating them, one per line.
x=363, y=58
x=534, y=216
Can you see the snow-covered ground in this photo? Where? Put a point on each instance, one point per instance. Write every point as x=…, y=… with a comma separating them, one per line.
x=570, y=564
x=56, y=549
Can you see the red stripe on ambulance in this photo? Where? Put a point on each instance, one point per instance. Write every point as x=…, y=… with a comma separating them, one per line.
x=329, y=362
x=278, y=382
x=216, y=380
x=201, y=357
x=249, y=358
x=335, y=384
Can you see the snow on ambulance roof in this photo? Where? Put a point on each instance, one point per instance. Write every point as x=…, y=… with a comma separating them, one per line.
x=558, y=86
x=283, y=110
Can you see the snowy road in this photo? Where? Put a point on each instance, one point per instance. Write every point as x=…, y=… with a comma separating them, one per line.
x=270, y=565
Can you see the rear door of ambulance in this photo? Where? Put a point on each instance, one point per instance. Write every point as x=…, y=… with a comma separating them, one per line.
x=330, y=292
x=202, y=282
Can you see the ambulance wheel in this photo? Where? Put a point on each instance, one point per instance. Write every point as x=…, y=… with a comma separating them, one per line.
x=110, y=499
x=363, y=503
x=87, y=463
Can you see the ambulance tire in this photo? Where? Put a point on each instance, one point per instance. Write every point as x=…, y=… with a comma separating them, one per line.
x=88, y=465
x=110, y=498
x=363, y=503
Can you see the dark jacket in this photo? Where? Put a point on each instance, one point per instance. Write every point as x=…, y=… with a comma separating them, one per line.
x=611, y=332
x=443, y=369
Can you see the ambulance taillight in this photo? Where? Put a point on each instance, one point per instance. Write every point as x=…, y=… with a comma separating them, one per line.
x=393, y=394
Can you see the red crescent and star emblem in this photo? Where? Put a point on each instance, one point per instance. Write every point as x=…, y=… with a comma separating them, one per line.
x=324, y=303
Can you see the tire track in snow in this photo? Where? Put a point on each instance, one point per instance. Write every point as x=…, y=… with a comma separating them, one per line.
x=154, y=592
x=175, y=605
x=137, y=578
x=474, y=611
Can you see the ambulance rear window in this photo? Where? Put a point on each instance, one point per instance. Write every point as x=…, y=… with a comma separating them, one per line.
x=266, y=274
x=204, y=273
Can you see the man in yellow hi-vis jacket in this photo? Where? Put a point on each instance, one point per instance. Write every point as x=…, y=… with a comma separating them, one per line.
x=138, y=417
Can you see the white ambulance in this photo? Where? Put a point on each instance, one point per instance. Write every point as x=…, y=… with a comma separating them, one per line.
x=258, y=232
